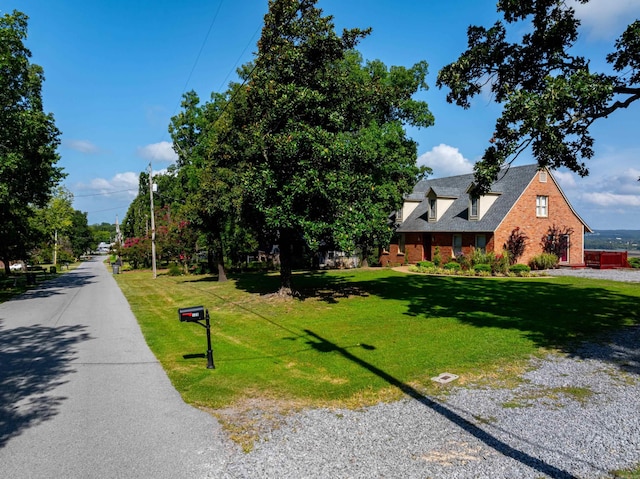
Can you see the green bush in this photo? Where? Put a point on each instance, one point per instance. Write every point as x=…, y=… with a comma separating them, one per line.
x=482, y=267
x=501, y=263
x=519, y=268
x=465, y=261
x=478, y=256
x=426, y=264
x=175, y=270
x=634, y=262
x=544, y=261
x=437, y=259
x=452, y=266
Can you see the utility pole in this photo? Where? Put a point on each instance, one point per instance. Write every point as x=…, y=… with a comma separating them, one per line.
x=153, y=226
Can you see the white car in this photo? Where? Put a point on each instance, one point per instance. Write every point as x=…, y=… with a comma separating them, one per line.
x=16, y=267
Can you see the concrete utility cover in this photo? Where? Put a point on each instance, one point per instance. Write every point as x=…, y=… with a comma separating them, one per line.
x=445, y=378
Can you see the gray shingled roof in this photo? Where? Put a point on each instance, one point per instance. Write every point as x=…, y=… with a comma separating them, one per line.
x=511, y=184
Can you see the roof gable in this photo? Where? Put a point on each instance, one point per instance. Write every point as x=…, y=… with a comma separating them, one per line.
x=511, y=183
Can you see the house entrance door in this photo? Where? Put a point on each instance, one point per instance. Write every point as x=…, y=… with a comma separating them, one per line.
x=426, y=247
x=564, y=252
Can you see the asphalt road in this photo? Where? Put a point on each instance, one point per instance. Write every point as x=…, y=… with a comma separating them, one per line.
x=82, y=396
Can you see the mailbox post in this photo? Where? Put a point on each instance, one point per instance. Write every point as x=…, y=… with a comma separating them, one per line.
x=195, y=314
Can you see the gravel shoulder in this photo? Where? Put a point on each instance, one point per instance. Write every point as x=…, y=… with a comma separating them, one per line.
x=573, y=416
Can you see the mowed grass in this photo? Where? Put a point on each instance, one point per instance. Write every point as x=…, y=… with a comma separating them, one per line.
x=356, y=337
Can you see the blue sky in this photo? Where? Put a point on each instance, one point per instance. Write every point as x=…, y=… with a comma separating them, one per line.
x=116, y=70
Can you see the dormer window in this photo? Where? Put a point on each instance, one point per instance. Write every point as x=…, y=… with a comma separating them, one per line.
x=474, y=210
x=433, y=212
x=438, y=202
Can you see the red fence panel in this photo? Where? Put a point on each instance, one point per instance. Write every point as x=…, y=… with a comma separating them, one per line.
x=606, y=259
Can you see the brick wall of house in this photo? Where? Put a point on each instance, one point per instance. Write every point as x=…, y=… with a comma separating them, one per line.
x=414, y=247
x=444, y=241
x=523, y=214
x=413, y=251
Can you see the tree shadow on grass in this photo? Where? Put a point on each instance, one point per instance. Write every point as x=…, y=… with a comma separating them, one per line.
x=35, y=360
x=552, y=314
x=323, y=345
x=311, y=284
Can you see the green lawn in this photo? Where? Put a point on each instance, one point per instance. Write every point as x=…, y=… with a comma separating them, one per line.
x=359, y=336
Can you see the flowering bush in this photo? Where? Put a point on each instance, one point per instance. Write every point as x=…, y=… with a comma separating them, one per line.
x=137, y=252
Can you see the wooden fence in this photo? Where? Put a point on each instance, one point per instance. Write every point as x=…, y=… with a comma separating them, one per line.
x=606, y=259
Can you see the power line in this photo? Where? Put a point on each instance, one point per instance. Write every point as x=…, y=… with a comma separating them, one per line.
x=215, y=16
x=108, y=209
x=104, y=194
x=235, y=65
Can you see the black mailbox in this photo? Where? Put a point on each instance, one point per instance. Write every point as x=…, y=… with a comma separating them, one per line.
x=194, y=313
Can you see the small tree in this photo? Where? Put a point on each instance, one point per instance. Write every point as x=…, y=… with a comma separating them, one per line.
x=516, y=244
x=556, y=240
x=137, y=251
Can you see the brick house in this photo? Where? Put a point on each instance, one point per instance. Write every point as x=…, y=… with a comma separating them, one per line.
x=441, y=213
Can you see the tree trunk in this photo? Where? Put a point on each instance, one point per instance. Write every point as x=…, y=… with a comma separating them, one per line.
x=222, y=274
x=286, y=261
x=365, y=257
x=210, y=258
x=55, y=248
x=219, y=254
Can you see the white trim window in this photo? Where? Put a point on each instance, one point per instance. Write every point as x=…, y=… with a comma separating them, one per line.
x=474, y=208
x=433, y=211
x=457, y=245
x=542, y=206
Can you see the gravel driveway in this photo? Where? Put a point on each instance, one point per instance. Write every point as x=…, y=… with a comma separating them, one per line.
x=626, y=275
x=574, y=416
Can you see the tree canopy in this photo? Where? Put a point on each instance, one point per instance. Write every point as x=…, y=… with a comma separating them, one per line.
x=28, y=140
x=322, y=133
x=211, y=167
x=550, y=95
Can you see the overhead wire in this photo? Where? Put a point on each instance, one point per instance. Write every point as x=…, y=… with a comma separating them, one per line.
x=105, y=193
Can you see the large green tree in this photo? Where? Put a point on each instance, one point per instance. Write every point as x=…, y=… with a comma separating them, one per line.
x=210, y=170
x=28, y=140
x=550, y=95
x=323, y=133
x=80, y=235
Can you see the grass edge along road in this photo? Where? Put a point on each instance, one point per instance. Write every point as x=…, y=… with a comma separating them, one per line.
x=358, y=336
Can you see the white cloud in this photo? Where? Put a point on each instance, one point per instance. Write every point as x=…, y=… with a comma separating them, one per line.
x=83, y=146
x=606, y=19
x=611, y=199
x=604, y=198
x=124, y=185
x=566, y=179
x=162, y=151
x=446, y=160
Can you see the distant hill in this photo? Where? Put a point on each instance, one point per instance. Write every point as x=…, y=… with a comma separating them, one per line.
x=613, y=239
